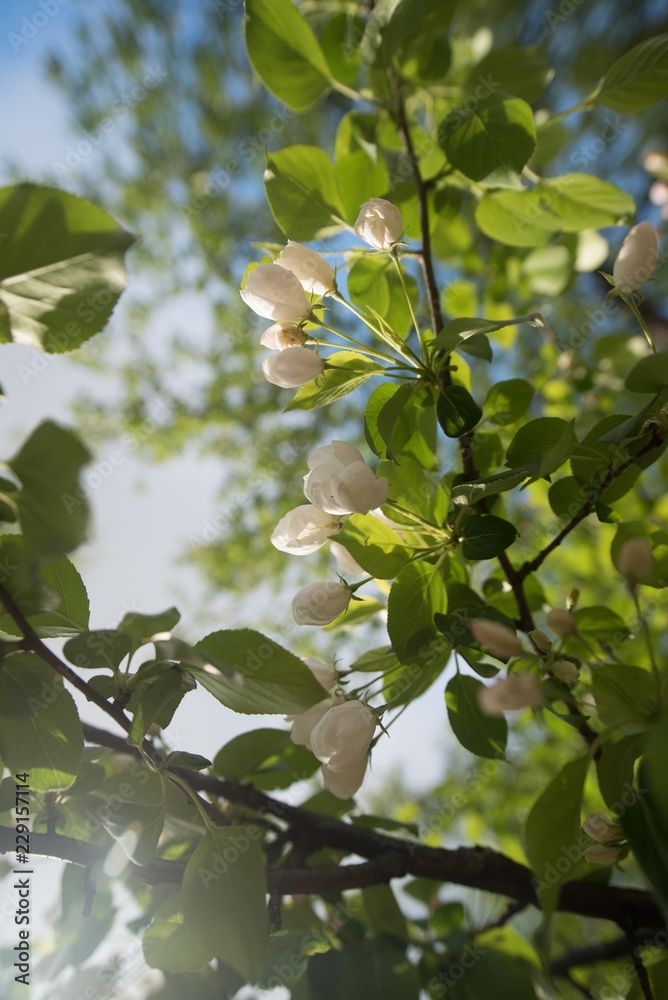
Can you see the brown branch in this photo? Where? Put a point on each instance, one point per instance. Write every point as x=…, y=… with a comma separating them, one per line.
x=391, y=857
x=641, y=973
x=478, y=868
x=466, y=441
x=611, y=475
x=33, y=643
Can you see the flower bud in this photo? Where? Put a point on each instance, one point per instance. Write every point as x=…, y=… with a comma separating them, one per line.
x=498, y=639
x=345, y=783
x=516, y=691
x=320, y=603
x=635, y=560
x=342, y=737
x=572, y=598
x=278, y=337
x=540, y=640
x=379, y=224
x=303, y=530
x=275, y=293
x=603, y=829
x=340, y=481
x=325, y=675
x=292, y=368
x=637, y=258
x=311, y=270
x=566, y=671
x=344, y=561
x=303, y=724
x=604, y=854
x=561, y=622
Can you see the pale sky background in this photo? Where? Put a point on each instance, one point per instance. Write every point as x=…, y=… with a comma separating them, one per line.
x=141, y=524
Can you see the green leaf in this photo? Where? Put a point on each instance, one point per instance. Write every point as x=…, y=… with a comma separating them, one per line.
x=614, y=768
x=569, y=203
x=498, y=134
x=494, y=974
x=486, y=535
x=566, y=497
x=416, y=674
x=383, y=395
x=647, y=837
x=517, y=71
x=650, y=374
x=350, y=371
x=193, y=761
x=458, y=331
x=381, y=904
x=100, y=649
x=482, y=734
x=584, y=201
x=456, y=410
x=552, y=832
x=285, y=53
x=54, y=517
x=637, y=79
x=142, y=627
x=625, y=696
x=391, y=24
x=40, y=730
x=543, y=444
x=368, y=282
x=548, y=269
x=467, y=494
x=507, y=401
x=155, y=699
x=375, y=546
x=266, y=758
x=268, y=680
x=359, y=177
x=223, y=898
x=171, y=943
x=302, y=192
x=61, y=267
x=71, y=612
x=416, y=595
x=601, y=622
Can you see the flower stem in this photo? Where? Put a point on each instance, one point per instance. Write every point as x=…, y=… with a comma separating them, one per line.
x=402, y=278
x=360, y=346
x=636, y=312
x=408, y=353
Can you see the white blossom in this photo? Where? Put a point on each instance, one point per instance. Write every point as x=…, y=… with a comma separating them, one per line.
x=320, y=603
x=635, y=560
x=275, y=293
x=637, y=258
x=345, y=783
x=379, y=224
x=341, y=738
x=304, y=530
x=603, y=829
x=302, y=724
x=278, y=337
x=519, y=690
x=293, y=367
x=311, y=270
x=341, y=482
x=498, y=639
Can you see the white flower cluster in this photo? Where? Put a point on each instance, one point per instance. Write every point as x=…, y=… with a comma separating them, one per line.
x=278, y=292
x=338, y=732
x=339, y=482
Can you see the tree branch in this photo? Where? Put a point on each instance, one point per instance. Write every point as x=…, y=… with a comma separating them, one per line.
x=33, y=643
x=390, y=857
x=611, y=475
